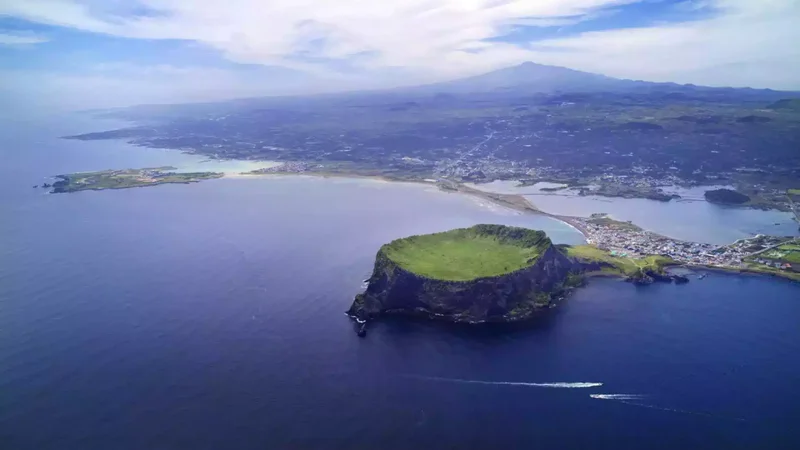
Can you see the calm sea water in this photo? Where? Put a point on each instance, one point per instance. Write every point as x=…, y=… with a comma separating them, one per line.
x=211, y=316
x=697, y=221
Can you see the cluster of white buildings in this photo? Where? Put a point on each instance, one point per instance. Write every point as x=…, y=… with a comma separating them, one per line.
x=625, y=241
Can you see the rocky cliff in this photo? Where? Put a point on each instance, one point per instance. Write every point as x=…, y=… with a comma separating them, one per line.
x=512, y=296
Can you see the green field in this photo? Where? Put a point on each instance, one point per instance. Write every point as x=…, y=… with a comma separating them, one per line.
x=623, y=265
x=758, y=268
x=468, y=253
x=793, y=191
x=792, y=257
x=785, y=253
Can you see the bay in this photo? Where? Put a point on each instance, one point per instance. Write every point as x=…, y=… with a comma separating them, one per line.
x=212, y=316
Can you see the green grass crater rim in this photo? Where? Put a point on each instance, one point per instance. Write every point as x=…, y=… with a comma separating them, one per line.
x=466, y=254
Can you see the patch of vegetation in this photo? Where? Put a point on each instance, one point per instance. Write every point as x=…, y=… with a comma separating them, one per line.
x=618, y=190
x=760, y=268
x=726, y=197
x=786, y=253
x=468, y=253
x=793, y=191
x=622, y=265
x=553, y=189
x=792, y=258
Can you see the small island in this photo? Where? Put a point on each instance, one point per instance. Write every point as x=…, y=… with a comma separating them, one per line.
x=487, y=273
x=726, y=197
x=126, y=178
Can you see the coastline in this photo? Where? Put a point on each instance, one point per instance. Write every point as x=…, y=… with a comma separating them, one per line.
x=746, y=271
x=378, y=178
x=515, y=202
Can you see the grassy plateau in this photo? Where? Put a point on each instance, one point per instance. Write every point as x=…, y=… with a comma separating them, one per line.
x=468, y=253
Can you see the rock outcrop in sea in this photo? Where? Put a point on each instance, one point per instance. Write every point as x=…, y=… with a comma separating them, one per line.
x=507, y=297
x=488, y=273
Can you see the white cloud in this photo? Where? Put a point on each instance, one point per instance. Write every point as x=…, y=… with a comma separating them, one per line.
x=749, y=44
x=426, y=35
x=391, y=42
x=21, y=39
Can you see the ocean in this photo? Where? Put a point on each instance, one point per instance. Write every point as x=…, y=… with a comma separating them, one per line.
x=211, y=316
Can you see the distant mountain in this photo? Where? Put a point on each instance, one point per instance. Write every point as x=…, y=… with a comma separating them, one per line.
x=531, y=78
x=549, y=84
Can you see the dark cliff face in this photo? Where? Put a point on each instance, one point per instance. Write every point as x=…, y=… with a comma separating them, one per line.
x=510, y=297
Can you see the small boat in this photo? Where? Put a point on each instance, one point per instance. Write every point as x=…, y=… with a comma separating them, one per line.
x=701, y=276
x=362, y=330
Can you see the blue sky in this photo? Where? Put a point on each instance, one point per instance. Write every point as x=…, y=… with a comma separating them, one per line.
x=613, y=17
x=115, y=52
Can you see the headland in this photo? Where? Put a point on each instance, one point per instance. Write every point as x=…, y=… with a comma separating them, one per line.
x=488, y=273
x=124, y=179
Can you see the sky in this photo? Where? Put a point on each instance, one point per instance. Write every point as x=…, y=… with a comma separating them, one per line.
x=79, y=54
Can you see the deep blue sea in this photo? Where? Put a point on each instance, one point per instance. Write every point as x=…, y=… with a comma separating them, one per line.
x=211, y=316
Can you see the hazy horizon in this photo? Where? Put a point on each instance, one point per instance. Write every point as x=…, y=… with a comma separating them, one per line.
x=81, y=54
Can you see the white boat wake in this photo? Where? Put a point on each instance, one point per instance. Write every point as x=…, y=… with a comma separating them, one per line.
x=637, y=400
x=557, y=385
x=617, y=396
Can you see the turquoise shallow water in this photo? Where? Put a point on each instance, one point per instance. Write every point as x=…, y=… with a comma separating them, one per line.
x=212, y=316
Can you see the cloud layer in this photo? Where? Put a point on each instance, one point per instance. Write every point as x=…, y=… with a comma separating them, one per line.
x=21, y=39
x=391, y=42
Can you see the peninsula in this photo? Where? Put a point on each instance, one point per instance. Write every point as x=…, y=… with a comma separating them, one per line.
x=126, y=178
x=486, y=273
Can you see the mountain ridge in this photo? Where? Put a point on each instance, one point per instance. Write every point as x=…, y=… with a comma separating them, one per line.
x=531, y=77
x=521, y=79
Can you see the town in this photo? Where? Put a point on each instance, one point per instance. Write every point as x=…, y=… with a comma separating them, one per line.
x=624, y=239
